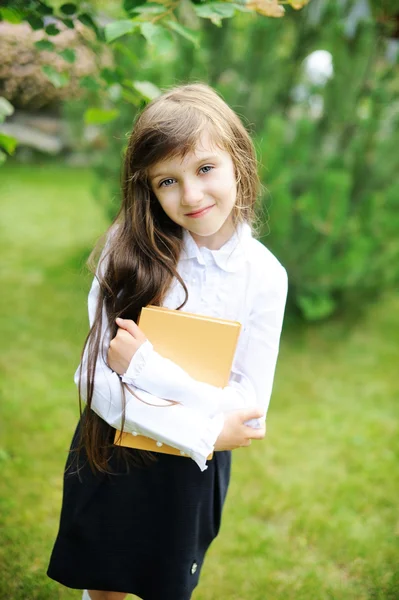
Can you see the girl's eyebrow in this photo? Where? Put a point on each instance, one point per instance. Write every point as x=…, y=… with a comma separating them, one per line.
x=210, y=158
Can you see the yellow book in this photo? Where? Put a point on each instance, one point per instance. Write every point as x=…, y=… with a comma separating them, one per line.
x=203, y=346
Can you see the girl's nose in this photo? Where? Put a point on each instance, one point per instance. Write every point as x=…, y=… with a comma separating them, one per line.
x=191, y=194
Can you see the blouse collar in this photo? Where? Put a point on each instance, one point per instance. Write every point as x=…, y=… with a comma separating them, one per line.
x=229, y=257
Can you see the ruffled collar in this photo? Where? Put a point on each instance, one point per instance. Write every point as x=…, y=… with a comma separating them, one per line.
x=229, y=257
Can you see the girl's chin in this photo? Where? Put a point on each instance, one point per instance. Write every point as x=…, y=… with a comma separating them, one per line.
x=208, y=230
x=204, y=231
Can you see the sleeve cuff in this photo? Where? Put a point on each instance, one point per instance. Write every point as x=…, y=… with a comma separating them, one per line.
x=207, y=443
x=138, y=362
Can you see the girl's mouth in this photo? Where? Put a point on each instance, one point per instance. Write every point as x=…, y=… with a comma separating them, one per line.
x=200, y=213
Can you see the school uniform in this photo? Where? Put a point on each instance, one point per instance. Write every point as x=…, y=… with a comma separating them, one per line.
x=146, y=531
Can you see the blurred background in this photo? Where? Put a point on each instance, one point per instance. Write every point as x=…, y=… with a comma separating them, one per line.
x=312, y=512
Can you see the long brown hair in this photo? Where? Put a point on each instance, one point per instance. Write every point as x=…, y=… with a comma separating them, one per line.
x=143, y=244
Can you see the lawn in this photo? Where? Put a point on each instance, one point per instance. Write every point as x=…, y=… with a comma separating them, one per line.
x=312, y=512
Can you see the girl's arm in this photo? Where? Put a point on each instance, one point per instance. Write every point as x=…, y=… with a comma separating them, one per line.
x=254, y=364
x=185, y=428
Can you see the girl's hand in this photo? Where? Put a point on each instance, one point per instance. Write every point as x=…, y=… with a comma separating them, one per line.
x=235, y=434
x=124, y=345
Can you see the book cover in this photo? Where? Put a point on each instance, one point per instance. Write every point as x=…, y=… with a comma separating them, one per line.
x=203, y=346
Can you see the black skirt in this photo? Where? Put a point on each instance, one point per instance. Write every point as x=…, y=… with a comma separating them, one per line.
x=143, y=530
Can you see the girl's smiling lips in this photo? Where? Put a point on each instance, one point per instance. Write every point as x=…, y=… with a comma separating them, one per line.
x=200, y=213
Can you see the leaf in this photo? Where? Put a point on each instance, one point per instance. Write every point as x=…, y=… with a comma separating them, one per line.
x=117, y=29
x=150, y=31
x=87, y=20
x=8, y=143
x=157, y=36
x=100, y=116
x=3, y=157
x=188, y=34
x=57, y=79
x=44, y=45
x=52, y=29
x=148, y=90
x=88, y=82
x=128, y=53
x=131, y=97
x=130, y=5
x=68, y=23
x=12, y=15
x=150, y=8
x=111, y=76
x=69, y=9
x=68, y=54
x=6, y=109
x=44, y=9
x=35, y=22
x=215, y=11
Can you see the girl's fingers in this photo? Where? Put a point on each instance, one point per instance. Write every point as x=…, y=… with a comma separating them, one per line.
x=128, y=325
x=252, y=413
x=246, y=444
x=255, y=434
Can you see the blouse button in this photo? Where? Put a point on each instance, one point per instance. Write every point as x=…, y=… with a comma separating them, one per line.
x=134, y=433
x=159, y=444
x=194, y=567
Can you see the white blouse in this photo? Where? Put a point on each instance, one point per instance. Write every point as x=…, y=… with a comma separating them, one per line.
x=242, y=281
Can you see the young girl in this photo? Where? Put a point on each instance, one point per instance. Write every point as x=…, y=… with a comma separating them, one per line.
x=136, y=522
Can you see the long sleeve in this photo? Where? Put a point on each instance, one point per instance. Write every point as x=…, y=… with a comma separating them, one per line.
x=254, y=365
x=182, y=427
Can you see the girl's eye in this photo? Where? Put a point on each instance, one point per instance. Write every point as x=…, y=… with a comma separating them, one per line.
x=166, y=182
x=206, y=169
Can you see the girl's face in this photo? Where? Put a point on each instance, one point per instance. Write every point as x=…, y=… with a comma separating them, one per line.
x=198, y=192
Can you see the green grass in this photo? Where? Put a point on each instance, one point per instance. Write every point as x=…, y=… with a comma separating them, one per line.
x=312, y=511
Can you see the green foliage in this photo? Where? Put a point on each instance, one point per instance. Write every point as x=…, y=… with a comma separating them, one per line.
x=333, y=183
x=35, y=22
x=216, y=11
x=69, y=9
x=68, y=54
x=131, y=5
x=90, y=83
x=11, y=15
x=117, y=29
x=147, y=89
x=51, y=29
x=158, y=23
x=44, y=45
x=6, y=109
x=184, y=32
x=8, y=143
x=99, y=116
x=57, y=79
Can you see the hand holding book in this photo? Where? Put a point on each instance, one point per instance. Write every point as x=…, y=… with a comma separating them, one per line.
x=124, y=345
x=197, y=352
x=235, y=432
